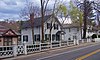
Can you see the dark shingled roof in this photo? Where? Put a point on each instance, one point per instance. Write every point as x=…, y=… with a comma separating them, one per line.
x=37, y=22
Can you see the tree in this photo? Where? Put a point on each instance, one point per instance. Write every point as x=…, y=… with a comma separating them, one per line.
x=54, y=12
x=87, y=8
x=57, y=7
x=44, y=4
x=63, y=11
x=30, y=12
x=76, y=15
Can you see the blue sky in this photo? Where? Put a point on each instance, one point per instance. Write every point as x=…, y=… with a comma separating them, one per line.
x=10, y=9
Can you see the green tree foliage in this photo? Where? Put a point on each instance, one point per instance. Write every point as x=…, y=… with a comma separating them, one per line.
x=62, y=8
x=76, y=14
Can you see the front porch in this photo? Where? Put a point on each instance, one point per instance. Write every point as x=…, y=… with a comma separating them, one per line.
x=8, y=38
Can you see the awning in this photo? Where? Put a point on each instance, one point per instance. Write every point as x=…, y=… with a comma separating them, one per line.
x=60, y=32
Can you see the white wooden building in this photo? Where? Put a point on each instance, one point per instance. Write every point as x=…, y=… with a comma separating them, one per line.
x=73, y=32
x=49, y=22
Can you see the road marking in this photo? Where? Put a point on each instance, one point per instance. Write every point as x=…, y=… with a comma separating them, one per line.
x=66, y=52
x=87, y=55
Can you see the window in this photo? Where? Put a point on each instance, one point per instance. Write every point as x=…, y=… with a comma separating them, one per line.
x=7, y=41
x=47, y=36
x=34, y=37
x=57, y=37
x=69, y=38
x=53, y=37
x=25, y=38
x=55, y=26
x=49, y=25
x=37, y=37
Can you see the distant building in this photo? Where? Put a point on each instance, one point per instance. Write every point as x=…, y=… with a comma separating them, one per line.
x=8, y=36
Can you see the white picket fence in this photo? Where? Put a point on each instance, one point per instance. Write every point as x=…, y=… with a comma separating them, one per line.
x=15, y=50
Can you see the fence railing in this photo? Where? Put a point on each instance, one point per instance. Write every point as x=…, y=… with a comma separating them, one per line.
x=64, y=43
x=6, y=51
x=55, y=44
x=45, y=46
x=9, y=51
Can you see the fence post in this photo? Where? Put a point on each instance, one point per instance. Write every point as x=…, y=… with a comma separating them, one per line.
x=25, y=48
x=60, y=43
x=67, y=43
x=74, y=42
x=15, y=50
x=40, y=46
x=51, y=44
x=82, y=41
x=77, y=42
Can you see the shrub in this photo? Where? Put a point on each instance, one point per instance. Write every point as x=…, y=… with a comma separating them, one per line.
x=94, y=36
x=98, y=36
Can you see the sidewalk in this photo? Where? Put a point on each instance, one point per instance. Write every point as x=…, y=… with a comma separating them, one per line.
x=49, y=52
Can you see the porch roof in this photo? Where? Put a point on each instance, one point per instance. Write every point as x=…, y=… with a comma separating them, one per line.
x=60, y=32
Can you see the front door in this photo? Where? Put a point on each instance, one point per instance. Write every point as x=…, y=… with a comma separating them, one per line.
x=7, y=41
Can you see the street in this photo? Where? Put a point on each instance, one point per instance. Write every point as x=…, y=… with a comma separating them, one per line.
x=82, y=52
x=77, y=54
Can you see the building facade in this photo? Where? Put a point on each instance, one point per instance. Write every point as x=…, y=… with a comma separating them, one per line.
x=72, y=31
x=51, y=23
x=8, y=36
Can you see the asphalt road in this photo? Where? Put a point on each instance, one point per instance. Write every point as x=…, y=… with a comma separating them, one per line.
x=77, y=53
x=82, y=52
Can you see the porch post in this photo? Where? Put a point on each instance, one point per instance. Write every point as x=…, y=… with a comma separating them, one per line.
x=51, y=44
x=60, y=40
x=25, y=49
x=74, y=42
x=15, y=49
x=77, y=42
x=40, y=46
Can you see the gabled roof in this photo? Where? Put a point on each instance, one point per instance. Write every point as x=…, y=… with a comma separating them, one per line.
x=4, y=30
x=37, y=22
x=9, y=33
